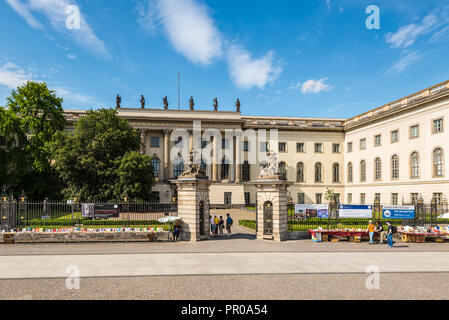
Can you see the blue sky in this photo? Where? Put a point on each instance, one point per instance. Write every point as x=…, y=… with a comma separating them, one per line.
x=313, y=58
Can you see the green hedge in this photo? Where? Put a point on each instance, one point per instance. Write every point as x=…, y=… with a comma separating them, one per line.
x=248, y=223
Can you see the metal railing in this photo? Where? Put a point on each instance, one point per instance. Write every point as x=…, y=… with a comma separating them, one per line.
x=53, y=214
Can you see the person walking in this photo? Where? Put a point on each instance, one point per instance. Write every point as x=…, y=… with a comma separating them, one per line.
x=229, y=223
x=216, y=222
x=370, y=230
x=221, y=225
x=212, y=225
x=381, y=232
x=390, y=233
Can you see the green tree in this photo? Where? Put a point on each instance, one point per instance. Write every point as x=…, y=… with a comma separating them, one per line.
x=100, y=159
x=330, y=195
x=32, y=117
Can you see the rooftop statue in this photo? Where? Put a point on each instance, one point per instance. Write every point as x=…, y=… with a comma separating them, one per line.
x=142, y=101
x=215, y=104
x=237, y=105
x=118, y=101
x=191, y=103
x=165, y=100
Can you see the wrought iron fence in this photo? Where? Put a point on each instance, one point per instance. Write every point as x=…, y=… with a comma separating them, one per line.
x=52, y=214
x=425, y=215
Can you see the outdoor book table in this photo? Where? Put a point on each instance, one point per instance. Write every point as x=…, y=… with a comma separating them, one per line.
x=423, y=236
x=323, y=235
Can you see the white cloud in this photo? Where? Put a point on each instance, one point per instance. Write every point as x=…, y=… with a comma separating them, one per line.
x=72, y=56
x=146, y=15
x=248, y=72
x=407, y=35
x=404, y=62
x=190, y=30
x=315, y=86
x=12, y=76
x=55, y=12
x=295, y=86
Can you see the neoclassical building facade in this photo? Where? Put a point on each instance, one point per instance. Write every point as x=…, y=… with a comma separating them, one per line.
x=395, y=153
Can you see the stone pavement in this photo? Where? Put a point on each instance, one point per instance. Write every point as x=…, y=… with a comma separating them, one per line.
x=172, y=264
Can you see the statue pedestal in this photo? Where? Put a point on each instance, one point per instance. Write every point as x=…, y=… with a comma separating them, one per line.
x=271, y=209
x=193, y=207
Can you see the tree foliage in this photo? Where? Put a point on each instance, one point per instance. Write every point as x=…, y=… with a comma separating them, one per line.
x=32, y=117
x=100, y=159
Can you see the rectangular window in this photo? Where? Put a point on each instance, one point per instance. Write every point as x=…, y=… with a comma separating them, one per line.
x=224, y=143
x=245, y=145
x=318, y=198
x=438, y=197
x=247, y=198
x=300, y=147
x=437, y=125
x=349, y=198
x=394, y=136
x=154, y=142
x=337, y=197
x=336, y=148
x=245, y=171
x=349, y=146
x=377, y=197
x=414, y=197
x=414, y=131
x=282, y=147
x=362, y=144
x=362, y=198
x=264, y=146
x=227, y=198
x=394, y=199
x=377, y=140
x=301, y=198
x=318, y=147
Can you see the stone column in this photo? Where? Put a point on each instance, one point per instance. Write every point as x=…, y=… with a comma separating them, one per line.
x=238, y=159
x=272, y=195
x=194, y=206
x=215, y=160
x=166, y=169
x=143, y=136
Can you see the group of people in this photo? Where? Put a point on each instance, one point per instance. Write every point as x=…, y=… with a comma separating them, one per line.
x=217, y=225
x=383, y=234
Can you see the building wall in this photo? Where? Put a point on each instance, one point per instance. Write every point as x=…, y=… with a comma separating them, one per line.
x=426, y=184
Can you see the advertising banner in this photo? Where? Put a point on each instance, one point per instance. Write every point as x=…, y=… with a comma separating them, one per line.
x=398, y=212
x=355, y=211
x=304, y=211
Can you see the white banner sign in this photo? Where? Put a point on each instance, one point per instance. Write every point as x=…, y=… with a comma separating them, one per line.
x=355, y=211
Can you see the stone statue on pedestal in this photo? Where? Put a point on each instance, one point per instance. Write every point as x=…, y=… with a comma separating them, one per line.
x=165, y=100
x=237, y=106
x=142, y=102
x=193, y=170
x=269, y=169
x=215, y=104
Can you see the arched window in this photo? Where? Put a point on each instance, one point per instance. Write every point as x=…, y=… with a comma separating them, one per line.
x=282, y=171
x=178, y=167
x=335, y=172
x=300, y=172
x=350, y=172
x=155, y=164
x=224, y=169
x=245, y=171
x=377, y=169
x=414, y=165
x=318, y=172
x=395, y=167
x=438, y=162
x=362, y=171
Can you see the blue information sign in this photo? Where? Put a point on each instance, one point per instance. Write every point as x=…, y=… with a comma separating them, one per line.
x=398, y=212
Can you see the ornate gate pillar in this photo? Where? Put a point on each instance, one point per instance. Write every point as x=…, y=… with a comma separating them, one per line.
x=193, y=202
x=272, y=202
